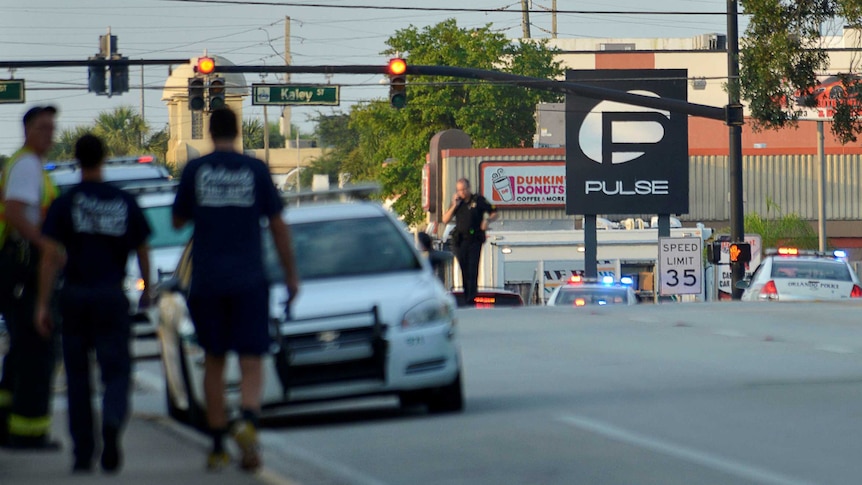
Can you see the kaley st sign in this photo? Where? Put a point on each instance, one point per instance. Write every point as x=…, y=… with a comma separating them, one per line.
x=523, y=184
x=626, y=159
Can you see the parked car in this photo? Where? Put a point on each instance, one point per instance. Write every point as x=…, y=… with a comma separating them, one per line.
x=491, y=298
x=580, y=291
x=119, y=171
x=790, y=274
x=371, y=318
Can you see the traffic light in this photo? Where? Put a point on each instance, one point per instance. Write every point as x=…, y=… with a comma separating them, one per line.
x=96, y=78
x=120, y=77
x=397, y=71
x=216, y=93
x=205, y=66
x=740, y=252
x=196, y=94
x=713, y=252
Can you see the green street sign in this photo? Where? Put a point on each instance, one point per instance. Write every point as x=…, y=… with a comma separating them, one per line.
x=294, y=94
x=12, y=91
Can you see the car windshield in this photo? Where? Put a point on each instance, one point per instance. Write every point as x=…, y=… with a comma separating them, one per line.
x=591, y=296
x=347, y=247
x=163, y=232
x=810, y=270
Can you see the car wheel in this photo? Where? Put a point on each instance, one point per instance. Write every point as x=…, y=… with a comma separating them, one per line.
x=446, y=399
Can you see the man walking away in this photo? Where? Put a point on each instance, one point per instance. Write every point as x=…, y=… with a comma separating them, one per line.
x=227, y=195
x=26, y=191
x=96, y=225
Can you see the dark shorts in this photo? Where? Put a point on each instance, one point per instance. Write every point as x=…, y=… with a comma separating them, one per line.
x=236, y=321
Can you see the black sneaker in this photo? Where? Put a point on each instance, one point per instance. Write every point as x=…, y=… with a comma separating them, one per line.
x=112, y=456
x=82, y=466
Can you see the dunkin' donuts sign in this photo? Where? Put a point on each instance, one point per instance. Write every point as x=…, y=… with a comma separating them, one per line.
x=524, y=184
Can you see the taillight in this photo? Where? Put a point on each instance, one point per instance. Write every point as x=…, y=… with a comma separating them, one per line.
x=856, y=292
x=769, y=291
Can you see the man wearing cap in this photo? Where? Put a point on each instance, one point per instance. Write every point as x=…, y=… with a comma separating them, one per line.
x=26, y=192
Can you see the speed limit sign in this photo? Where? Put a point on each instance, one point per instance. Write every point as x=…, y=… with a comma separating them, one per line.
x=680, y=265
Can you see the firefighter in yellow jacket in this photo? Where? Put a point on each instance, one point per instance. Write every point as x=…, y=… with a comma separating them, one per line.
x=25, y=194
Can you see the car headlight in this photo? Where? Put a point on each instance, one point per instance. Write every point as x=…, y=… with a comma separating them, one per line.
x=427, y=313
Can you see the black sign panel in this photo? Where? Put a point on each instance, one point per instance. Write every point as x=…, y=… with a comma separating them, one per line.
x=625, y=159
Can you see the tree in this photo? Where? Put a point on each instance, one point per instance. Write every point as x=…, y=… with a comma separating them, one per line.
x=64, y=146
x=252, y=135
x=157, y=144
x=781, y=55
x=392, y=143
x=121, y=130
x=334, y=133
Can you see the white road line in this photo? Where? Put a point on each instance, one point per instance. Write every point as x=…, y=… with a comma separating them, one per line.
x=721, y=464
x=728, y=333
x=343, y=472
x=836, y=349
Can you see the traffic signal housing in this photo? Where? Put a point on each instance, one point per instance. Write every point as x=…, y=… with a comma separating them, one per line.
x=713, y=252
x=96, y=78
x=740, y=252
x=120, y=77
x=197, y=101
x=397, y=72
x=216, y=93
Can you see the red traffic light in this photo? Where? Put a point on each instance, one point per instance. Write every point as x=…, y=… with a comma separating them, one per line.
x=206, y=65
x=396, y=67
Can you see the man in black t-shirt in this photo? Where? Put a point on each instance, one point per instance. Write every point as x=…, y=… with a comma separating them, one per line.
x=226, y=195
x=91, y=231
x=472, y=213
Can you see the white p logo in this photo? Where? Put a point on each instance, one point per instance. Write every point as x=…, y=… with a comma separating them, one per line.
x=619, y=132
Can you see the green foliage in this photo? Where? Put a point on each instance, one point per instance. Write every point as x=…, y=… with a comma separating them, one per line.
x=157, y=144
x=389, y=145
x=780, y=57
x=252, y=135
x=122, y=130
x=64, y=145
x=777, y=229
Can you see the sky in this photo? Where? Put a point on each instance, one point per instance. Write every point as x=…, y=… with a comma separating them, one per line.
x=322, y=32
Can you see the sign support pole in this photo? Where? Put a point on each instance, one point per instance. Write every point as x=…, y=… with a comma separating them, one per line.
x=821, y=189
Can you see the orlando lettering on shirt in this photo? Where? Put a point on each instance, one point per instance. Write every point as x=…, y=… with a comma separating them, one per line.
x=220, y=187
x=92, y=215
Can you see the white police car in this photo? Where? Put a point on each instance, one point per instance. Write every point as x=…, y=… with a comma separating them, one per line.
x=579, y=291
x=371, y=318
x=791, y=274
x=120, y=171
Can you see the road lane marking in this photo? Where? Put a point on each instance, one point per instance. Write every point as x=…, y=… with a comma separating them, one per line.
x=727, y=332
x=348, y=474
x=835, y=349
x=715, y=462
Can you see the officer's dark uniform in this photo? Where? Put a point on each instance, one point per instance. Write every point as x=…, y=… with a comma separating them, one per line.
x=467, y=240
x=99, y=225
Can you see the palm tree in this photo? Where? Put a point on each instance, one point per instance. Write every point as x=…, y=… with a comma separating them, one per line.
x=64, y=146
x=122, y=130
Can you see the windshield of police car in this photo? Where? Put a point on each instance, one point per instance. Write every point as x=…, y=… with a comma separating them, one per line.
x=347, y=247
x=810, y=270
x=592, y=296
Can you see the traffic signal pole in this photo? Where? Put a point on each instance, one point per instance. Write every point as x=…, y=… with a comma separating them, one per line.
x=734, y=122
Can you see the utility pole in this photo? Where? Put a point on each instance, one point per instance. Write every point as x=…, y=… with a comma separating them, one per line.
x=285, y=110
x=143, y=116
x=734, y=122
x=554, y=19
x=525, y=21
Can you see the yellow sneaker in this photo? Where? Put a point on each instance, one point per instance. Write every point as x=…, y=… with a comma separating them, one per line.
x=216, y=461
x=246, y=439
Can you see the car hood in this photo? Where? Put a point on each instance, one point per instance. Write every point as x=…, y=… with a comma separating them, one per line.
x=393, y=294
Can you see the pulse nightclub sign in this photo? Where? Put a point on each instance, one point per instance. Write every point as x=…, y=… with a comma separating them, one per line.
x=625, y=159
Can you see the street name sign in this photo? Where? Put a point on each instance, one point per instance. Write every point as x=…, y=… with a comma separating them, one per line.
x=12, y=91
x=294, y=94
x=680, y=265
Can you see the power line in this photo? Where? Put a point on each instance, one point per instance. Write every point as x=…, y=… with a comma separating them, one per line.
x=445, y=9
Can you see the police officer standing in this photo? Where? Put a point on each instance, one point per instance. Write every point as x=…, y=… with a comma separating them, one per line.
x=26, y=191
x=472, y=213
x=97, y=225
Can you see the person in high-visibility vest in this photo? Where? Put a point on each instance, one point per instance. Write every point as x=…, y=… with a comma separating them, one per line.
x=26, y=192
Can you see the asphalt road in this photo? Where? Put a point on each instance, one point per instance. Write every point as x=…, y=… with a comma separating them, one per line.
x=720, y=393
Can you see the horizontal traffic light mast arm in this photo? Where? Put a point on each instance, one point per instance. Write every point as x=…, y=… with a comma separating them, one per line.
x=104, y=62
x=693, y=109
